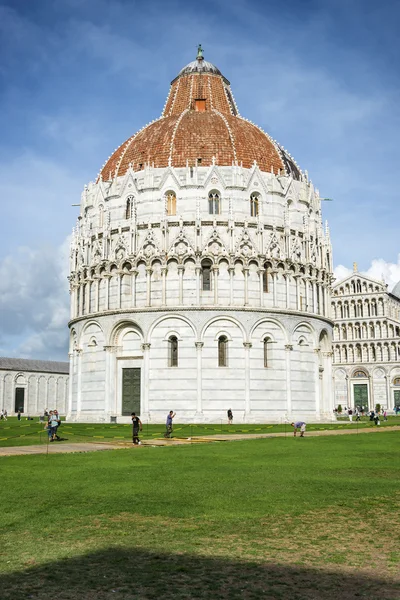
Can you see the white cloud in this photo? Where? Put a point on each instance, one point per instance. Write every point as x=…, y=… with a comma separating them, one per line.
x=380, y=269
x=34, y=302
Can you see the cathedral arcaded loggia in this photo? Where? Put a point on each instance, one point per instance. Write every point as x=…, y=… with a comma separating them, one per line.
x=200, y=272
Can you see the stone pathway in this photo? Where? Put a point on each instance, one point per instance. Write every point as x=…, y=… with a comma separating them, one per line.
x=64, y=448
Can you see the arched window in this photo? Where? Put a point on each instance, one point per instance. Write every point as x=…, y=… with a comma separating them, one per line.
x=360, y=374
x=266, y=278
x=170, y=198
x=173, y=351
x=267, y=352
x=214, y=203
x=128, y=207
x=223, y=351
x=254, y=204
x=206, y=276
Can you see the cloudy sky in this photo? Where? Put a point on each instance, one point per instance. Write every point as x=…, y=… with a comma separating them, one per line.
x=78, y=77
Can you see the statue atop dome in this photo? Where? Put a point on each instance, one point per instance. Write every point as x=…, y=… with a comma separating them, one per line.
x=200, y=53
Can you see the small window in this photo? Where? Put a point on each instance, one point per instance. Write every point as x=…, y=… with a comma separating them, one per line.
x=200, y=105
x=171, y=203
x=223, y=351
x=206, y=276
x=267, y=357
x=214, y=204
x=265, y=276
x=254, y=203
x=128, y=208
x=173, y=351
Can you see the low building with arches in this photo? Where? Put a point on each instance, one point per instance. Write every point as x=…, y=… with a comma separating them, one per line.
x=366, y=343
x=32, y=386
x=200, y=272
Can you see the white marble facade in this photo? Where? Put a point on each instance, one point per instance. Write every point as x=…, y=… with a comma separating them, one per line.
x=33, y=386
x=366, y=367
x=151, y=263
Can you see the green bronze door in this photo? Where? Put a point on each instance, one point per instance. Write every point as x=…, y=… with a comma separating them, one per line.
x=361, y=395
x=397, y=398
x=130, y=392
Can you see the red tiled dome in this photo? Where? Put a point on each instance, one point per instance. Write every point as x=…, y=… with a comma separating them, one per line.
x=200, y=122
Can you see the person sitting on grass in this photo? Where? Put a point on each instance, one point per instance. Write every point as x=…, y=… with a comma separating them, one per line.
x=168, y=424
x=299, y=425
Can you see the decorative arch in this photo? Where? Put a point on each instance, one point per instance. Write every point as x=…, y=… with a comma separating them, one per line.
x=222, y=317
x=266, y=321
x=119, y=328
x=360, y=374
x=163, y=318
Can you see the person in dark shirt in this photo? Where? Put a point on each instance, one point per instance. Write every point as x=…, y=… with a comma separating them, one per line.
x=136, y=424
x=168, y=424
x=230, y=416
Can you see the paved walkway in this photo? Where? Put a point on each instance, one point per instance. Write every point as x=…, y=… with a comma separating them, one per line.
x=64, y=448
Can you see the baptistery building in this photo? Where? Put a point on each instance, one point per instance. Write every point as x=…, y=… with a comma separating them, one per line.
x=201, y=272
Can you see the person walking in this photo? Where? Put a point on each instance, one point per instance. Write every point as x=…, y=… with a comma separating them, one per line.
x=385, y=415
x=168, y=424
x=136, y=425
x=19, y=415
x=299, y=425
x=350, y=413
x=358, y=416
x=230, y=416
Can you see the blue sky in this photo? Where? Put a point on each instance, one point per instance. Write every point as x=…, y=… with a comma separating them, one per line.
x=78, y=77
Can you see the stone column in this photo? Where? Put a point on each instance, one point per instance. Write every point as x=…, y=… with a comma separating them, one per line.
x=274, y=286
x=148, y=285
x=181, y=269
x=307, y=294
x=198, y=271
x=119, y=288
x=78, y=361
x=80, y=307
x=247, y=411
x=261, y=282
x=349, y=398
x=296, y=281
x=110, y=397
x=199, y=404
x=287, y=283
x=288, y=349
x=246, y=285
x=215, y=269
x=88, y=296
x=71, y=375
x=96, y=293
x=146, y=378
x=318, y=381
x=134, y=273
x=164, y=284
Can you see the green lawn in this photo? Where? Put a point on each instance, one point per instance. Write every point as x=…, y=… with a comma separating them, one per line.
x=274, y=518
x=23, y=433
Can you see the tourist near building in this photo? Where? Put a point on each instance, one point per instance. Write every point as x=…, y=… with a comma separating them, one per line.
x=366, y=360
x=200, y=272
x=31, y=386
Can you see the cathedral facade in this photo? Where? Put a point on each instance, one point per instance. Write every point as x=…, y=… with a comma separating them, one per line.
x=366, y=359
x=200, y=273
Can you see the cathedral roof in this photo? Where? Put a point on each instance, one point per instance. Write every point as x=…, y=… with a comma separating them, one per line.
x=200, y=124
x=396, y=290
x=40, y=366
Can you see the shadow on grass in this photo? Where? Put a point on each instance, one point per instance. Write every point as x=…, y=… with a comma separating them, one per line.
x=124, y=574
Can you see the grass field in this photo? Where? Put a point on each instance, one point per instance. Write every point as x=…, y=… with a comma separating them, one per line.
x=312, y=518
x=23, y=433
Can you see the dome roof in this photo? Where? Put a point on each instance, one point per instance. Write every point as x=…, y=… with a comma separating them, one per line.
x=200, y=124
x=396, y=290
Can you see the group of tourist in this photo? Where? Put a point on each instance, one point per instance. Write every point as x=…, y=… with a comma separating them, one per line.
x=52, y=425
